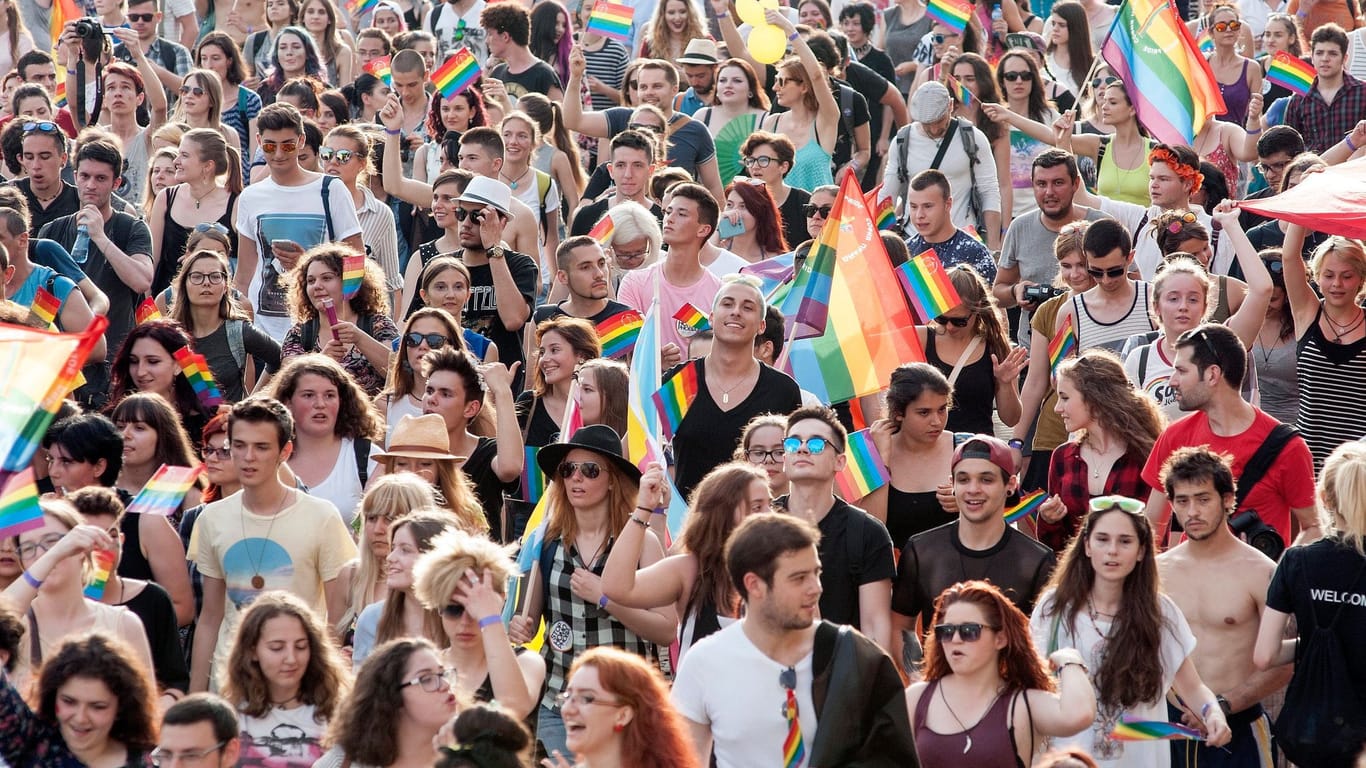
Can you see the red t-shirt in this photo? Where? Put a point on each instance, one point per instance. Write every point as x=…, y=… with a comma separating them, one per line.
x=63, y=119
x=1287, y=485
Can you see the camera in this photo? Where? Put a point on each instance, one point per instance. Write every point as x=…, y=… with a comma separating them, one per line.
x=88, y=29
x=1255, y=531
x=1037, y=294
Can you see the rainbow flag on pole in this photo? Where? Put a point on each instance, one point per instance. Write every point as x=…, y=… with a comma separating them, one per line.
x=619, y=332
x=611, y=20
x=353, y=274
x=379, y=67
x=1061, y=345
x=675, y=398
x=807, y=303
x=1292, y=73
x=1167, y=80
x=928, y=286
x=164, y=492
x=691, y=316
x=459, y=71
x=197, y=372
x=643, y=430
x=864, y=470
x=45, y=306
x=960, y=91
x=603, y=231
x=533, y=479
x=147, y=310
x=1029, y=505
x=99, y=578
x=950, y=13
x=1153, y=730
x=19, y=510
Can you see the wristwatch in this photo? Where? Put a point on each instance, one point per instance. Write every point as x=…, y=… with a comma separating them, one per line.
x=496, y=252
x=1223, y=705
x=1016, y=443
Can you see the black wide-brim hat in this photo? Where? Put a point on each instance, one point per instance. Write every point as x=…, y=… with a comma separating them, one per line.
x=598, y=438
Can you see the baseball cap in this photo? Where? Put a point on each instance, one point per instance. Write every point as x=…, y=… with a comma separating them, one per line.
x=986, y=447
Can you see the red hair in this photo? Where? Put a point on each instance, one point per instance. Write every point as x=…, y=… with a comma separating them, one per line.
x=1020, y=665
x=655, y=737
x=768, y=228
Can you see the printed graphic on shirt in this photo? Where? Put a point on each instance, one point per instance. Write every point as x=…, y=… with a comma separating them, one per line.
x=252, y=566
x=306, y=229
x=286, y=746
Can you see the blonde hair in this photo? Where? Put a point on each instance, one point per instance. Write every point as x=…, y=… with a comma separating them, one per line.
x=1344, y=248
x=440, y=571
x=389, y=496
x=1342, y=486
x=1181, y=263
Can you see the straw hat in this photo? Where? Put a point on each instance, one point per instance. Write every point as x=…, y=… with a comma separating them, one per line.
x=420, y=437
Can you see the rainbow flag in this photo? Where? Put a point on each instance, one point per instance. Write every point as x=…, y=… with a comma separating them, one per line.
x=691, y=316
x=1167, y=80
x=197, y=372
x=353, y=274
x=533, y=479
x=63, y=12
x=1029, y=505
x=99, y=578
x=45, y=306
x=864, y=470
x=960, y=91
x=870, y=330
x=1062, y=345
x=611, y=20
x=643, y=430
x=1153, y=730
x=950, y=13
x=379, y=67
x=774, y=274
x=619, y=332
x=676, y=396
x=459, y=71
x=59, y=98
x=928, y=286
x=883, y=208
x=1293, y=74
x=19, y=510
x=1205, y=43
x=147, y=310
x=164, y=492
x=357, y=8
x=37, y=370
x=603, y=231
x=806, y=305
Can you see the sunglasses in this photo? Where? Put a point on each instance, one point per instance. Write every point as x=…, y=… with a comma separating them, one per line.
x=968, y=631
x=1112, y=272
x=956, y=322
x=1226, y=26
x=1274, y=266
x=761, y=161
x=938, y=38
x=188, y=89
x=211, y=226
x=288, y=147
x=645, y=127
x=343, y=155
x=1107, y=503
x=434, y=340
x=589, y=469
x=42, y=127
x=1103, y=82
x=142, y=17
x=812, y=210
x=814, y=445
x=453, y=611
x=1011, y=77
x=463, y=213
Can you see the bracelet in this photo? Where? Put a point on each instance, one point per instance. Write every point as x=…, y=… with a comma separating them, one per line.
x=1350, y=145
x=489, y=621
x=646, y=509
x=639, y=522
x=1067, y=664
x=792, y=38
x=1253, y=131
x=32, y=582
x=394, y=132
x=602, y=602
x=1204, y=711
x=723, y=15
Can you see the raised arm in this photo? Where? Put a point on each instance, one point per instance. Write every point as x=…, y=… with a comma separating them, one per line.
x=828, y=116
x=507, y=463
x=1304, y=303
x=408, y=190
x=1248, y=320
x=662, y=583
x=593, y=123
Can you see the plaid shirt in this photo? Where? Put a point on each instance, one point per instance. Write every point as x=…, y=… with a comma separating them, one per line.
x=1322, y=124
x=1067, y=479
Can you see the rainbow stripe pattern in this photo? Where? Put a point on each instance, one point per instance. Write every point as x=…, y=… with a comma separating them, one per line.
x=163, y=494
x=19, y=510
x=1062, y=345
x=1292, y=73
x=950, y=13
x=619, y=332
x=45, y=306
x=611, y=20
x=928, y=286
x=960, y=91
x=1167, y=80
x=1153, y=730
x=353, y=274
x=457, y=74
x=883, y=208
x=357, y=8
x=691, y=316
x=147, y=310
x=676, y=396
x=59, y=98
x=603, y=231
x=380, y=67
x=807, y=303
x=533, y=479
x=864, y=470
x=794, y=748
x=643, y=430
x=196, y=370
x=1028, y=507
x=1205, y=43
x=99, y=578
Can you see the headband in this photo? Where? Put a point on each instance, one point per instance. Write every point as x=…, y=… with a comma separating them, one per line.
x=1190, y=175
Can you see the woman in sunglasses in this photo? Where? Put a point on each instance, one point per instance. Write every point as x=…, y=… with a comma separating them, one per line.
x=348, y=154
x=1105, y=601
x=201, y=105
x=286, y=679
x=593, y=494
x=427, y=329
x=1019, y=79
x=986, y=696
x=812, y=116
x=464, y=579
x=1238, y=76
x=198, y=200
x=400, y=613
x=741, y=103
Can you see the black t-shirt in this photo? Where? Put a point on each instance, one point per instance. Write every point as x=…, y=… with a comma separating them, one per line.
x=590, y=214
x=539, y=78
x=857, y=115
x=794, y=218
x=877, y=61
x=707, y=436
x=690, y=143
x=481, y=309
x=1314, y=582
x=67, y=203
x=855, y=549
x=548, y=311
x=478, y=468
x=936, y=560
x=154, y=607
x=543, y=429
x=870, y=83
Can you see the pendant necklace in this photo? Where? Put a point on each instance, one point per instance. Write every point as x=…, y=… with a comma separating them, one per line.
x=257, y=580
x=1339, y=329
x=966, y=730
x=725, y=392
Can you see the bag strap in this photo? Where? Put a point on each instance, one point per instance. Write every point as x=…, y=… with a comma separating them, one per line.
x=1143, y=363
x=361, y=446
x=1261, y=461
x=847, y=108
x=944, y=145
x=963, y=359
x=236, y=345
x=327, y=206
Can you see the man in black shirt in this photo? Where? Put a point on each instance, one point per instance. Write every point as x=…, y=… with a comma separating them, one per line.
x=632, y=160
x=582, y=269
x=509, y=34
x=856, y=553
x=44, y=156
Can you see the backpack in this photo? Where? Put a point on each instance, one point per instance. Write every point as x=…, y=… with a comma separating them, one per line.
x=903, y=176
x=236, y=345
x=542, y=191
x=308, y=334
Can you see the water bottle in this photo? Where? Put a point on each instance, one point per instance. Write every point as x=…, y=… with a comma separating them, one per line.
x=81, y=248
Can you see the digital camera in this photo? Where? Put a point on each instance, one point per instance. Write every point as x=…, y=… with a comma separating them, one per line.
x=1255, y=531
x=1038, y=294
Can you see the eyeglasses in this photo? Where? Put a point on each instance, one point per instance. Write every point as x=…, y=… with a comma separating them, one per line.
x=759, y=161
x=464, y=213
x=141, y=17
x=288, y=147
x=211, y=226
x=1011, y=77
x=34, y=549
x=814, y=445
x=1112, y=272
x=630, y=257
x=584, y=699
x=453, y=611
x=44, y=126
x=431, y=682
x=1107, y=503
x=811, y=210
x=1226, y=26
x=645, y=127
x=968, y=631
x=211, y=452
x=188, y=89
x=162, y=757
x=956, y=322
x=1273, y=167
x=434, y=340
x=343, y=155
x=589, y=469
x=760, y=456
x=212, y=278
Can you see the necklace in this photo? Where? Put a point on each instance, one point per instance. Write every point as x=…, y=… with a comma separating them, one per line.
x=257, y=580
x=966, y=730
x=862, y=50
x=1340, y=329
x=514, y=182
x=198, y=201
x=1095, y=619
x=725, y=391
x=281, y=704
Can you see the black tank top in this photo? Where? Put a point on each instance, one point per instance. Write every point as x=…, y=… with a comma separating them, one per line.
x=174, y=237
x=974, y=393
x=911, y=513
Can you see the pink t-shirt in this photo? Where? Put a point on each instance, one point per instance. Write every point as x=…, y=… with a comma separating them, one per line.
x=637, y=291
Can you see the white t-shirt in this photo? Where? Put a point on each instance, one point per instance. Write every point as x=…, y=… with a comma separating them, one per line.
x=173, y=10
x=727, y=263
x=729, y=684
x=956, y=166
x=284, y=738
x=1156, y=378
x=1178, y=642
x=448, y=27
x=267, y=211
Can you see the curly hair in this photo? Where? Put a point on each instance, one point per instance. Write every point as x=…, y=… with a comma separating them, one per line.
x=173, y=442
x=402, y=378
x=171, y=336
x=486, y=737
x=424, y=525
x=97, y=656
x=324, y=678
x=371, y=299
x=579, y=334
x=768, y=226
x=1020, y=662
x=365, y=726
x=441, y=569
x=659, y=42
x=1121, y=410
x=655, y=737
x=710, y=521
x=356, y=415
x=436, y=127
x=976, y=295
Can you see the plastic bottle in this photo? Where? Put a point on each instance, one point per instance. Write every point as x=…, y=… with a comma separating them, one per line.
x=81, y=248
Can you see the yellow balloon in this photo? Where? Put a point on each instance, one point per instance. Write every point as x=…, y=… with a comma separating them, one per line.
x=751, y=11
x=767, y=44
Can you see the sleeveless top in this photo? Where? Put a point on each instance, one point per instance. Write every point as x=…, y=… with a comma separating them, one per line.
x=911, y=513
x=1092, y=333
x=702, y=621
x=175, y=236
x=1280, y=381
x=991, y=739
x=1221, y=159
x=1330, y=384
x=974, y=393
x=1236, y=98
x=132, y=563
x=811, y=165
x=902, y=40
x=728, y=139
x=1114, y=182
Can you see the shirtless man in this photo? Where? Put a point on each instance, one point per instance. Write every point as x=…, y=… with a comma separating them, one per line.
x=1220, y=584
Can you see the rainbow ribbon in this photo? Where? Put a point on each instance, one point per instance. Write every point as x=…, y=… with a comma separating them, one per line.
x=1028, y=506
x=1153, y=730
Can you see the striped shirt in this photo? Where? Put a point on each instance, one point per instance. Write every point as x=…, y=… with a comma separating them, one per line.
x=607, y=64
x=1092, y=333
x=1330, y=377
x=381, y=238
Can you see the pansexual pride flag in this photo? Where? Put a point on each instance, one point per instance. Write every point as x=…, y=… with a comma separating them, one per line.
x=380, y=67
x=147, y=310
x=1292, y=73
x=603, y=231
x=691, y=316
x=1061, y=345
x=45, y=306
x=611, y=20
x=19, y=510
x=643, y=431
x=928, y=286
x=1029, y=505
x=864, y=470
x=618, y=333
x=353, y=274
x=164, y=492
x=675, y=398
x=457, y=74
x=99, y=578
x=950, y=13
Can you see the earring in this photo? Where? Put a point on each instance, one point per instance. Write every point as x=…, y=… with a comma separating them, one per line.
x=619, y=727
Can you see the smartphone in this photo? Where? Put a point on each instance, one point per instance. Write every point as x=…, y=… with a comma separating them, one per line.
x=286, y=244
x=728, y=229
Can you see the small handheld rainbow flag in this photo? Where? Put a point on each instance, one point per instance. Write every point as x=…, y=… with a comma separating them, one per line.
x=353, y=274
x=380, y=67
x=359, y=7
x=99, y=579
x=164, y=492
x=45, y=306
x=1205, y=42
x=691, y=316
x=1153, y=730
x=147, y=310
x=960, y=91
x=19, y=510
x=618, y=333
x=864, y=471
x=197, y=372
x=1291, y=73
x=882, y=208
x=611, y=20
x=950, y=13
x=676, y=396
x=459, y=71
x=533, y=479
x=1062, y=345
x=59, y=98
x=1028, y=506
x=928, y=286
x=603, y=231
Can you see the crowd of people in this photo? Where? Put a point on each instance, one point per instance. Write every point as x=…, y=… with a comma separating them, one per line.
x=423, y=534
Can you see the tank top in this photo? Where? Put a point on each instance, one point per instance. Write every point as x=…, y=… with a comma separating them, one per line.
x=1092, y=333
x=1330, y=383
x=702, y=621
x=174, y=237
x=1114, y=182
x=1280, y=381
x=132, y=563
x=811, y=165
x=1221, y=159
x=911, y=513
x=342, y=485
x=991, y=739
x=1236, y=98
x=974, y=393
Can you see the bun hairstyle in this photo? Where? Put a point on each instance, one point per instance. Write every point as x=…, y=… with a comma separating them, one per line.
x=486, y=737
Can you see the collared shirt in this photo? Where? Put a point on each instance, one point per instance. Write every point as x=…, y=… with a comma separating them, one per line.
x=381, y=237
x=160, y=52
x=1322, y=124
x=689, y=102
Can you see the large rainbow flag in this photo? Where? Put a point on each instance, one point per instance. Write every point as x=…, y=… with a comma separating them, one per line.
x=644, y=429
x=869, y=330
x=1167, y=80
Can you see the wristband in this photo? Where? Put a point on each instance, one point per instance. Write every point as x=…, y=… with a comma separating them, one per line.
x=645, y=509
x=1204, y=711
x=792, y=38
x=723, y=15
x=1350, y=145
x=639, y=522
x=1015, y=443
x=658, y=511
x=602, y=602
x=394, y=132
x=32, y=582
x=489, y=621
x=1253, y=131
